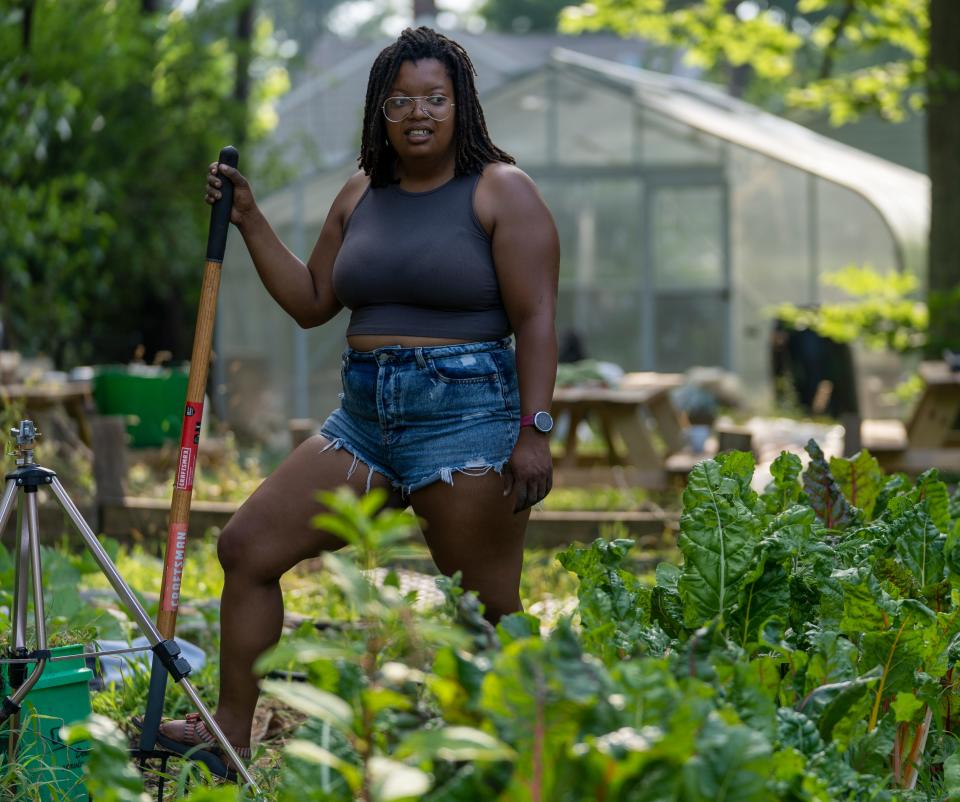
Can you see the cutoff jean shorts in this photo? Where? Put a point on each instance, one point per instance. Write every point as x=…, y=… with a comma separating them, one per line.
x=419, y=415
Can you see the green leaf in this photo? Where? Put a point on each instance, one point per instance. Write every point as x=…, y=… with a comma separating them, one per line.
x=920, y=546
x=784, y=489
x=906, y=706
x=666, y=606
x=453, y=743
x=392, y=781
x=718, y=538
x=789, y=534
x=896, y=485
x=730, y=762
x=867, y=607
x=614, y=604
x=823, y=493
x=951, y=776
x=829, y=704
x=377, y=699
x=312, y=753
x=860, y=478
x=794, y=729
x=933, y=493
x=517, y=626
x=739, y=465
x=760, y=600
x=313, y=702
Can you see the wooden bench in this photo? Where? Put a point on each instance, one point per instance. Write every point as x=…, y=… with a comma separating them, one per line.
x=639, y=414
x=930, y=438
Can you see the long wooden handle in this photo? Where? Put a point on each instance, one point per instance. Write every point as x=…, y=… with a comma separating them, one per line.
x=193, y=411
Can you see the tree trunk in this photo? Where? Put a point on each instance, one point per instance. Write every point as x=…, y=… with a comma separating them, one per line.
x=943, y=155
x=241, y=85
x=424, y=11
x=26, y=25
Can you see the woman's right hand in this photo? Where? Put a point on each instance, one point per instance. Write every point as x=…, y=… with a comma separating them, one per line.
x=243, y=202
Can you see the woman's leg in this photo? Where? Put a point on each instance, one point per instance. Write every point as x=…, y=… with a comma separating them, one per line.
x=471, y=527
x=266, y=537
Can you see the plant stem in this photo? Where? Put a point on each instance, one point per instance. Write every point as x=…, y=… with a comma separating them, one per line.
x=898, y=751
x=919, y=744
x=886, y=670
x=539, y=728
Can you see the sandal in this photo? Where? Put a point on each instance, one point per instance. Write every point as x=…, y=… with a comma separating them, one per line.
x=197, y=743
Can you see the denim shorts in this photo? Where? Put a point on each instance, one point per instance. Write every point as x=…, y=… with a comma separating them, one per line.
x=419, y=415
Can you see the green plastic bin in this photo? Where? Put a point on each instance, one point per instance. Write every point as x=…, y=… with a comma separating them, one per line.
x=152, y=400
x=60, y=697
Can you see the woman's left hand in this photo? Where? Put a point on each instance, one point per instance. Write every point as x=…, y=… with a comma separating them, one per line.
x=529, y=473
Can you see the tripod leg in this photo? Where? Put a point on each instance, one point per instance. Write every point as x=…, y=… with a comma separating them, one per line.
x=154, y=712
x=6, y=503
x=18, y=621
x=36, y=569
x=148, y=628
x=21, y=574
x=29, y=546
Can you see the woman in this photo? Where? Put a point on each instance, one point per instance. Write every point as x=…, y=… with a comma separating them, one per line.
x=441, y=248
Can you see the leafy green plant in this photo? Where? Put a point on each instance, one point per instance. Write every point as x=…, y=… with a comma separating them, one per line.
x=804, y=649
x=883, y=311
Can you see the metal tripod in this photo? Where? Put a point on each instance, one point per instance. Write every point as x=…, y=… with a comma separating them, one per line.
x=24, y=481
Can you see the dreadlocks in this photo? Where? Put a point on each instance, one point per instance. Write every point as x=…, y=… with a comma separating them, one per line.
x=474, y=147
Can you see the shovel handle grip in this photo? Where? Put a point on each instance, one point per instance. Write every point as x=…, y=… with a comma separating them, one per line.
x=220, y=214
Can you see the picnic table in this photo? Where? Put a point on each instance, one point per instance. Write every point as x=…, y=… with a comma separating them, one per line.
x=73, y=397
x=639, y=412
x=930, y=438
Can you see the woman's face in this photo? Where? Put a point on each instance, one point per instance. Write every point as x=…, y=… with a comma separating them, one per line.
x=419, y=135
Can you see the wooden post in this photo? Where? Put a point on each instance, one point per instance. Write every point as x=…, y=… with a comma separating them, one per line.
x=109, y=440
x=300, y=430
x=109, y=457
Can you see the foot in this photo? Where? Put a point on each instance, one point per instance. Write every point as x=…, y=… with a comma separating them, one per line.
x=192, y=731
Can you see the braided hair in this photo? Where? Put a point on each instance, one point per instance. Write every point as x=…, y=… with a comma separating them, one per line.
x=473, y=144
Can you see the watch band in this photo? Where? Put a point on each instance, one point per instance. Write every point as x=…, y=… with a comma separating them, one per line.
x=526, y=420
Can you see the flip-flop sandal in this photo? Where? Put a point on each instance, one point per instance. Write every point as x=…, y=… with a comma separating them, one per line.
x=201, y=747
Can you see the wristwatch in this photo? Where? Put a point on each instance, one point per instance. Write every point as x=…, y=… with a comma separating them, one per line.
x=541, y=421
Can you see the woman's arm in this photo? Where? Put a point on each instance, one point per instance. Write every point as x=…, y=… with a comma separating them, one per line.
x=526, y=253
x=304, y=291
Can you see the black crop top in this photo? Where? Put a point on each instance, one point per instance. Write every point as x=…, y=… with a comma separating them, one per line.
x=419, y=264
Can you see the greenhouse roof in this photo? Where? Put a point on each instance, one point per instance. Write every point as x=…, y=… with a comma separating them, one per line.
x=900, y=195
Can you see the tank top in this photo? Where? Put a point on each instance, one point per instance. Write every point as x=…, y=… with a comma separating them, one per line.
x=419, y=264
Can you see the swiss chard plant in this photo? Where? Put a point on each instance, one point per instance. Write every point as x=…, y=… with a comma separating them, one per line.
x=803, y=650
x=819, y=614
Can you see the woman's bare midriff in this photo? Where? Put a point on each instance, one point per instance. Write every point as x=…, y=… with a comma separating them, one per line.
x=370, y=342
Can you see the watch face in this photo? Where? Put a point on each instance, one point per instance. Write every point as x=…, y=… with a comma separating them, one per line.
x=543, y=422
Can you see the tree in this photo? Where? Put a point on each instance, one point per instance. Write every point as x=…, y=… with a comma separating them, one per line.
x=850, y=57
x=109, y=113
x=522, y=16
x=943, y=134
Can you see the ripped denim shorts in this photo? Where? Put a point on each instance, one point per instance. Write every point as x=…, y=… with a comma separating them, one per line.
x=418, y=415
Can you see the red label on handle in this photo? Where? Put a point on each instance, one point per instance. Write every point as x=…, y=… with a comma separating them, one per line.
x=189, y=446
x=173, y=574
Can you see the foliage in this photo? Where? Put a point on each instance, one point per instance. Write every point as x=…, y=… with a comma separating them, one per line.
x=800, y=43
x=801, y=652
x=804, y=650
x=108, y=115
x=881, y=313
x=522, y=16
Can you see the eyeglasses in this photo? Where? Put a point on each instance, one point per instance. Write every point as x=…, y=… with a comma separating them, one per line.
x=436, y=107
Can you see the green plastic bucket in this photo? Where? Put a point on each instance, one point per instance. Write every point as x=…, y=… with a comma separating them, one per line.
x=152, y=400
x=53, y=769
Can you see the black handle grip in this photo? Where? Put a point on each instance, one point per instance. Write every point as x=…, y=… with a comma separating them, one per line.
x=220, y=214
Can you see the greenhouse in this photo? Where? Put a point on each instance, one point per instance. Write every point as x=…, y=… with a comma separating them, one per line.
x=684, y=216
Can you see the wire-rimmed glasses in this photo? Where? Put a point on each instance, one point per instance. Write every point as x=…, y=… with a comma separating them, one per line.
x=437, y=107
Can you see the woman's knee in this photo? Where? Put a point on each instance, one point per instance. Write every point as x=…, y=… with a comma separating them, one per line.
x=236, y=550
